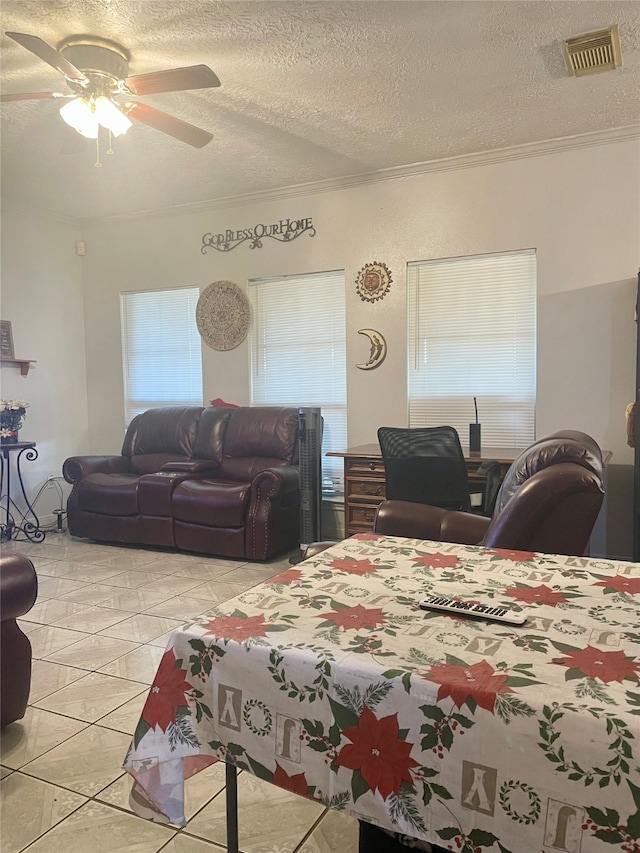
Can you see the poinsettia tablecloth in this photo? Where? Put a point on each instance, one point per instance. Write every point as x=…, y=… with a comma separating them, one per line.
x=329, y=681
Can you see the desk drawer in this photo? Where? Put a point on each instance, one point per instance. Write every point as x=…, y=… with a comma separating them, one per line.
x=363, y=465
x=366, y=489
x=360, y=517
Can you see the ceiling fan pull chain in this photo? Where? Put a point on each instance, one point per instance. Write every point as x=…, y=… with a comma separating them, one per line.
x=110, y=148
x=98, y=163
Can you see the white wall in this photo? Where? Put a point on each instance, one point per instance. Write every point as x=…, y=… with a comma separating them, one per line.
x=580, y=208
x=41, y=294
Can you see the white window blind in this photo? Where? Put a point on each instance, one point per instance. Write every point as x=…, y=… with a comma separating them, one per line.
x=472, y=333
x=161, y=349
x=298, y=354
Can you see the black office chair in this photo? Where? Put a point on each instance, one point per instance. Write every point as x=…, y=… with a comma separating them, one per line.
x=491, y=470
x=425, y=465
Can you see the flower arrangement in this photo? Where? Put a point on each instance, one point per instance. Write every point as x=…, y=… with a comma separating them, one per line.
x=12, y=413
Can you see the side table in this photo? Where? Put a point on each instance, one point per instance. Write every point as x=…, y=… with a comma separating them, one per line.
x=16, y=521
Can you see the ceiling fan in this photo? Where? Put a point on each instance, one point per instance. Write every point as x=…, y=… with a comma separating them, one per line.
x=95, y=70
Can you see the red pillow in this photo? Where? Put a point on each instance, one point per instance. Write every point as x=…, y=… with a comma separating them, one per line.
x=218, y=401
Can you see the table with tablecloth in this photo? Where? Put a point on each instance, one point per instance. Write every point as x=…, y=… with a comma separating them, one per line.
x=328, y=680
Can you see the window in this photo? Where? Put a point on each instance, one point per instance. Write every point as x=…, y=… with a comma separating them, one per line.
x=472, y=333
x=161, y=349
x=298, y=354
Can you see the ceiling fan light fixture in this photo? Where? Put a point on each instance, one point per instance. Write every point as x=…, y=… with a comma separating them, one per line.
x=110, y=117
x=86, y=115
x=79, y=115
x=97, y=71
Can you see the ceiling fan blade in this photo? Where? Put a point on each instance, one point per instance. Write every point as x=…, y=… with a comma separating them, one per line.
x=29, y=96
x=49, y=55
x=169, y=124
x=173, y=80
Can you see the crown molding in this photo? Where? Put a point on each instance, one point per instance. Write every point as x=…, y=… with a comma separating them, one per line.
x=466, y=161
x=12, y=206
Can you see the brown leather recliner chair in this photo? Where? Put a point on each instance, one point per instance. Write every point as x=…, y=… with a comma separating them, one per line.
x=548, y=502
x=220, y=480
x=18, y=592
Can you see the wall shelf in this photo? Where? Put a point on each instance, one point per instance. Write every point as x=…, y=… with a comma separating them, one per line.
x=23, y=363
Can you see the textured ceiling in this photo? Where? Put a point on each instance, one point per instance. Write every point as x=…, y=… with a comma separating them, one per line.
x=310, y=91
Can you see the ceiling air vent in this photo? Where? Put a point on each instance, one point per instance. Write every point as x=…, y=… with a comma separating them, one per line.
x=593, y=52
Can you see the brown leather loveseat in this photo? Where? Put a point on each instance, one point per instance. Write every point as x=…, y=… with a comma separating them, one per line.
x=217, y=481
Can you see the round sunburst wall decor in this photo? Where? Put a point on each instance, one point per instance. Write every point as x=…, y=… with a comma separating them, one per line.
x=222, y=315
x=373, y=282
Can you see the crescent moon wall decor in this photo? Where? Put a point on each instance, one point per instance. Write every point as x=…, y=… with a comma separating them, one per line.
x=378, y=351
x=373, y=282
x=222, y=315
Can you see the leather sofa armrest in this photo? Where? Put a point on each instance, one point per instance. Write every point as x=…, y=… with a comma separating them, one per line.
x=18, y=586
x=420, y=521
x=75, y=468
x=273, y=515
x=195, y=467
x=283, y=481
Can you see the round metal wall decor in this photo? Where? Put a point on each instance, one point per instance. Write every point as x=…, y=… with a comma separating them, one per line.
x=373, y=282
x=222, y=315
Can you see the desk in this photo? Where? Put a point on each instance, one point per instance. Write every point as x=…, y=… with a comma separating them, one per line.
x=27, y=522
x=364, y=480
x=328, y=681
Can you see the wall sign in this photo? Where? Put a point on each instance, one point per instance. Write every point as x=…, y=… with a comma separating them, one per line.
x=6, y=339
x=283, y=231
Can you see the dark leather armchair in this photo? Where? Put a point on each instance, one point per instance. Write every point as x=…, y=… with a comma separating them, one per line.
x=18, y=592
x=548, y=502
x=220, y=480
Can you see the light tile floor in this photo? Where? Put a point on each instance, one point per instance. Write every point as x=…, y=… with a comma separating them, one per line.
x=98, y=630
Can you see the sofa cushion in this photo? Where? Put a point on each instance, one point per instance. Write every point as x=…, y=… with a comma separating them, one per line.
x=214, y=503
x=210, y=437
x=109, y=494
x=267, y=431
x=169, y=430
